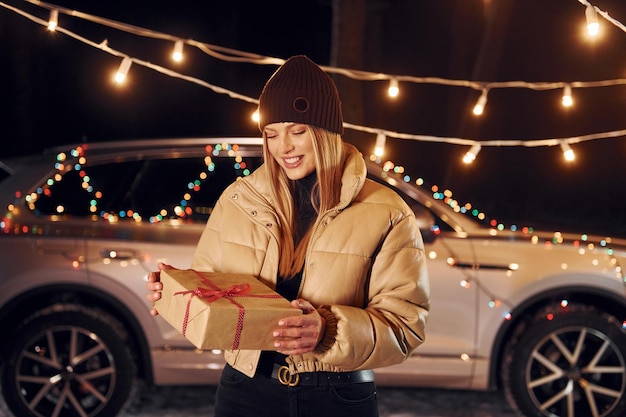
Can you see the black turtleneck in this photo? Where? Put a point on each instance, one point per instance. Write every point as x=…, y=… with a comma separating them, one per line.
x=288, y=288
x=305, y=215
x=305, y=212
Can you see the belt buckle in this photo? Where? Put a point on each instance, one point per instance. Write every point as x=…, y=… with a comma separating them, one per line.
x=286, y=378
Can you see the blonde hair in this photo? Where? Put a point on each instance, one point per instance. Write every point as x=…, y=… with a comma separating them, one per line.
x=329, y=162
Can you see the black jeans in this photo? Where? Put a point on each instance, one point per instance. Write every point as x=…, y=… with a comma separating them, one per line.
x=241, y=396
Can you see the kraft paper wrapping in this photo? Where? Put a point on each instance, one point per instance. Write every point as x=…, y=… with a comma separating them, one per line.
x=222, y=311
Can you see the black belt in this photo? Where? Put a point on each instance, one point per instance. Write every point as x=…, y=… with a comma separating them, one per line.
x=281, y=373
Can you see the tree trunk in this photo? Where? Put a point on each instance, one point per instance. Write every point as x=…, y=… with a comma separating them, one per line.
x=348, y=51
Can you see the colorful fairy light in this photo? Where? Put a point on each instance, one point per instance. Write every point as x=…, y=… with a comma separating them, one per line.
x=78, y=160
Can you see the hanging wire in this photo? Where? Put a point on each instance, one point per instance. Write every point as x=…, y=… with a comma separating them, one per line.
x=233, y=55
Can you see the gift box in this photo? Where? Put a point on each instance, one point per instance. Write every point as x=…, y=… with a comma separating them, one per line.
x=222, y=311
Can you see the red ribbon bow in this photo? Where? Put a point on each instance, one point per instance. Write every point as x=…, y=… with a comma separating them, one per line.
x=214, y=295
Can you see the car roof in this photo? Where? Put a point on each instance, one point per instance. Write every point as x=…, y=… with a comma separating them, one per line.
x=38, y=166
x=155, y=144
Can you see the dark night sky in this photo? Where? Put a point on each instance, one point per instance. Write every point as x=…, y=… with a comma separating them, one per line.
x=56, y=90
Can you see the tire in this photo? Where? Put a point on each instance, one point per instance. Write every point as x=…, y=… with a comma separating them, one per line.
x=568, y=365
x=66, y=361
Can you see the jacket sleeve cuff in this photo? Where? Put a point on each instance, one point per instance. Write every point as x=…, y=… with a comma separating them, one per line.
x=330, y=333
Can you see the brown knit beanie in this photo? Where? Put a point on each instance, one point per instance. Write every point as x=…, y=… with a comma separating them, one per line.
x=301, y=92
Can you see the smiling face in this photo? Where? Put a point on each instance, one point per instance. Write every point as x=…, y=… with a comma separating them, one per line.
x=291, y=145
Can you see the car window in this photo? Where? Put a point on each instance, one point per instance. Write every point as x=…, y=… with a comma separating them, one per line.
x=146, y=190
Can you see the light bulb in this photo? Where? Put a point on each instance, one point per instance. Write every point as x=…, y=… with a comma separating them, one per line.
x=379, y=148
x=470, y=155
x=479, y=107
x=122, y=71
x=568, y=153
x=53, y=22
x=567, y=99
x=255, y=116
x=177, y=55
x=593, y=27
x=393, y=89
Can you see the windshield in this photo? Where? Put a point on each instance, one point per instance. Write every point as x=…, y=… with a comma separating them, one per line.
x=5, y=171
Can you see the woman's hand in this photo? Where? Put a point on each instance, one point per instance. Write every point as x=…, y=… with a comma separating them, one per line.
x=299, y=334
x=154, y=285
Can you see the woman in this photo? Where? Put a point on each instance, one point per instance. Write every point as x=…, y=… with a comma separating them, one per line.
x=346, y=250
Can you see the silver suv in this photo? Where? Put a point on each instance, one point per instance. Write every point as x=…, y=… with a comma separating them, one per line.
x=539, y=315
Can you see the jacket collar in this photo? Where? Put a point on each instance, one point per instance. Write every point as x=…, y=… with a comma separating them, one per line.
x=353, y=177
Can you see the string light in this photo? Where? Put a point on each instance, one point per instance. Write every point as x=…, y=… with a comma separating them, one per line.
x=232, y=55
x=53, y=21
x=183, y=210
x=394, y=88
x=177, y=55
x=471, y=155
x=479, y=107
x=568, y=153
x=379, y=148
x=255, y=116
x=120, y=75
x=567, y=99
x=593, y=27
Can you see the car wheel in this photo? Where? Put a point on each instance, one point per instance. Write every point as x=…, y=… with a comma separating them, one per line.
x=568, y=365
x=68, y=360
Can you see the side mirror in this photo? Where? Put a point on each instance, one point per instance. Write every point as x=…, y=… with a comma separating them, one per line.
x=425, y=222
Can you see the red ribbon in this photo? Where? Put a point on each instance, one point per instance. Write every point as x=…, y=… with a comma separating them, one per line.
x=215, y=293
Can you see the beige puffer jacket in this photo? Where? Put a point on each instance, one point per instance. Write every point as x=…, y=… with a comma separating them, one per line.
x=365, y=269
